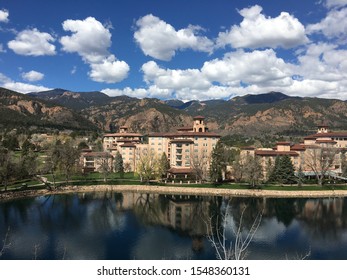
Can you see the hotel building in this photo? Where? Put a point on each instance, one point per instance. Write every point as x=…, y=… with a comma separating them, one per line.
x=185, y=148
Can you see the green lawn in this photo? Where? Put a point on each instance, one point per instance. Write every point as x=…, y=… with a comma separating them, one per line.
x=133, y=179
x=94, y=176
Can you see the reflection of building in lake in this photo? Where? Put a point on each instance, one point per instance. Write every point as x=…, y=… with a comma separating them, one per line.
x=187, y=215
x=327, y=211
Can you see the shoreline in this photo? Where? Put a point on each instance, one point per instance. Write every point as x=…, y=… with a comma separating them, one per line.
x=7, y=196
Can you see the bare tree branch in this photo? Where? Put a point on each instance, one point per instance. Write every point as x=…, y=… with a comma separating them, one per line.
x=5, y=243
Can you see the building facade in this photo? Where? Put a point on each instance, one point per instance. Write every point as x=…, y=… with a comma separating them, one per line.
x=321, y=150
x=187, y=149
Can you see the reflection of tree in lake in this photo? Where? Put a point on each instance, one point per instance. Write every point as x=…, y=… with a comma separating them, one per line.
x=285, y=210
x=324, y=217
x=15, y=211
x=235, y=227
x=104, y=214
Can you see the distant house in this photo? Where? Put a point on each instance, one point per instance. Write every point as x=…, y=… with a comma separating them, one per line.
x=93, y=161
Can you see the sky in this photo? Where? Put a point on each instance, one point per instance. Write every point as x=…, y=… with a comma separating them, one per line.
x=178, y=49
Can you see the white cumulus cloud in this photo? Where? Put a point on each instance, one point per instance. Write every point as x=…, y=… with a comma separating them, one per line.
x=32, y=76
x=32, y=42
x=91, y=40
x=138, y=93
x=109, y=70
x=336, y=3
x=334, y=25
x=6, y=82
x=258, y=31
x=261, y=67
x=161, y=40
x=4, y=14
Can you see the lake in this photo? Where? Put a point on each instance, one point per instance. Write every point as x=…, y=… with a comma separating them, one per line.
x=110, y=226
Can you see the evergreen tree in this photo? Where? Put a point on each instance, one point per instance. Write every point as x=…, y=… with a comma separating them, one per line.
x=216, y=166
x=163, y=166
x=118, y=164
x=287, y=170
x=220, y=158
x=283, y=171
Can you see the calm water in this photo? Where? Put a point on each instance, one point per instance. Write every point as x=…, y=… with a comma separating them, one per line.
x=140, y=226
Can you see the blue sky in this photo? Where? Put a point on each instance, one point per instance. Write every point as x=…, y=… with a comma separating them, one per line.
x=197, y=49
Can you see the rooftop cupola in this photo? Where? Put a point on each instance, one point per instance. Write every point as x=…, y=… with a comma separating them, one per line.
x=199, y=124
x=323, y=128
x=123, y=129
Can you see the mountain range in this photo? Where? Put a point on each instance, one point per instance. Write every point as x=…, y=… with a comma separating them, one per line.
x=251, y=115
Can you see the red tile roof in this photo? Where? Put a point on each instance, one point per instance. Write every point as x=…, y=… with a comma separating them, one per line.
x=276, y=153
x=328, y=134
x=185, y=128
x=199, y=118
x=325, y=141
x=298, y=147
x=184, y=133
x=122, y=135
x=129, y=145
x=182, y=141
x=182, y=170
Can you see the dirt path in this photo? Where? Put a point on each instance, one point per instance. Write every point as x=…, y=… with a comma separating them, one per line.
x=173, y=190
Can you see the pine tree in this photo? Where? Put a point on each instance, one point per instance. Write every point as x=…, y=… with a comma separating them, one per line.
x=163, y=166
x=287, y=170
x=283, y=171
x=217, y=163
x=118, y=164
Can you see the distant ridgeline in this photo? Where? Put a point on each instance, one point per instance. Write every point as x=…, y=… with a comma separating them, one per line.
x=271, y=113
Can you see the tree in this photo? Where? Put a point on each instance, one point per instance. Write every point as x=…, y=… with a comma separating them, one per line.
x=10, y=142
x=199, y=164
x=27, y=146
x=53, y=159
x=27, y=165
x=7, y=166
x=343, y=165
x=252, y=170
x=163, y=166
x=118, y=164
x=83, y=145
x=68, y=159
x=283, y=171
x=217, y=163
x=300, y=176
x=269, y=168
x=320, y=160
x=105, y=164
x=237, y=169
x=227, y=249
x=146, y=165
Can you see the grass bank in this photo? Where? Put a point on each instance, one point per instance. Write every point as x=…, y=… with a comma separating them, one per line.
x=124, y=185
